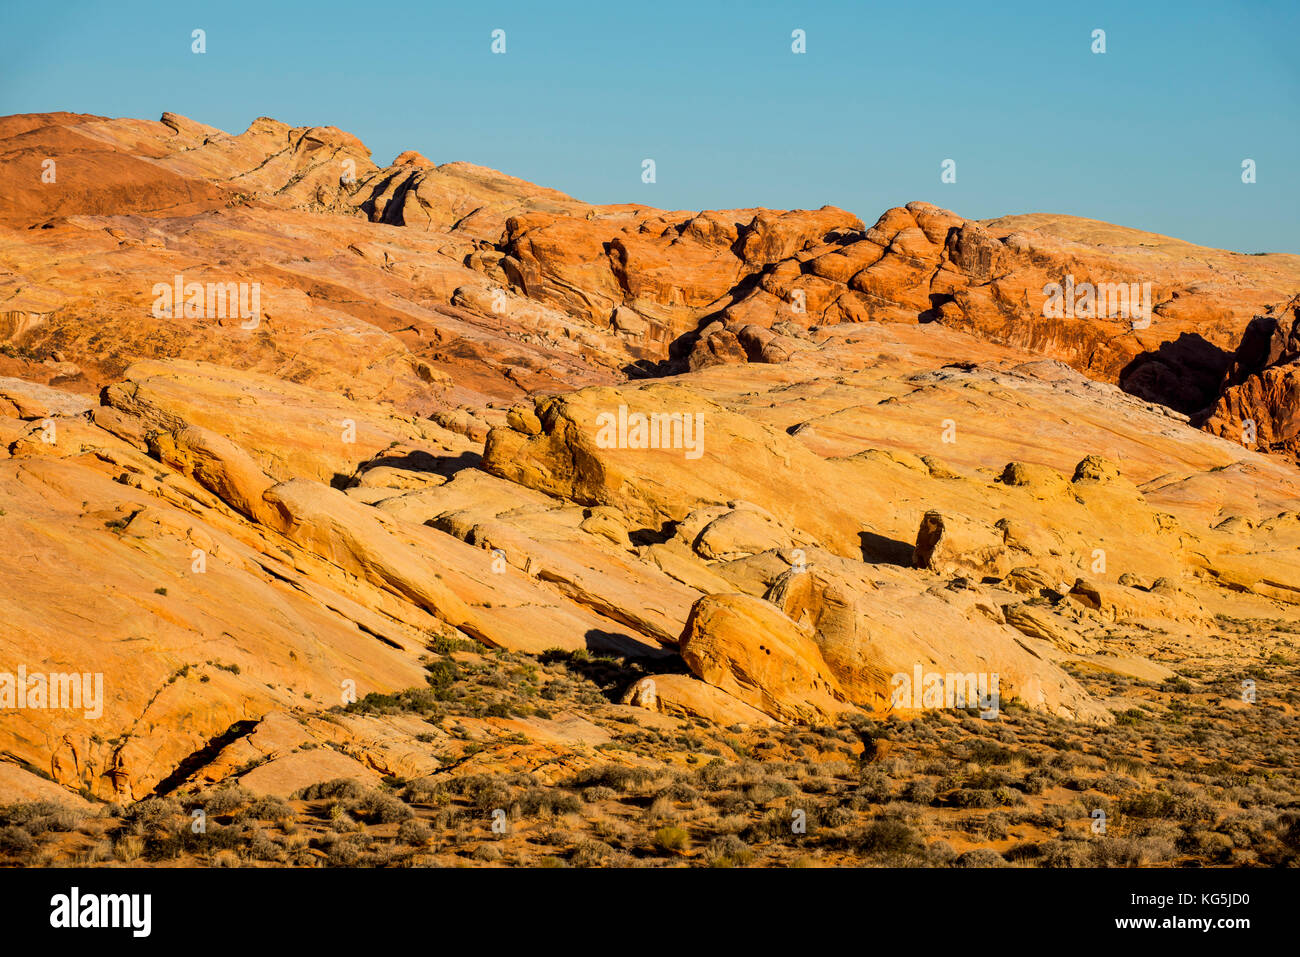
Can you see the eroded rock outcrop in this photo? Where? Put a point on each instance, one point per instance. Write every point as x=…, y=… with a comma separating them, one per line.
x=863, y=451
x=1260, y=402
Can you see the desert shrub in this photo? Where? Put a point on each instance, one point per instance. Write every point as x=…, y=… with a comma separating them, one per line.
x=681, y=792
x=1115, y=852
x=425, y=791
x=348, y=850
x=1066, y=760
x=378, y=807
x=815, y=785
x=1166, y=805
x=732, y=802
x=873, y=788
x=672, y=839
x=38, y=817
x=486, y=792
x=268, y=808
x=443, y=645
x=760, y=793
x=1155, y=848
x=1024, y=851
x=1114, y=784
x=919, y=791
x=714, y=775
x=441, y=674
x=1248, y=827
x=339, y=818
x=1289, y=831
x=15, y=840
x=1211, y=845
x=262, y=848
x=548, y=801
x=973, y=798
x=728, y=851
x=887, y=836
x=980, y=857
x=225, y=800
x=610, y=830
x=661, y=809
x=994, y=827
x=153, y=813
x=834, y=815
x=1038, y=779
x=1051, y=817
x=344, y=788
x=214, y=837
x=774, y=825
x=591, y=853
x=615, y=776
x=448, y=818
x=940, y=854
x=983, y=751
x=1008, y=797
x=1065, y=852
x=128, y=848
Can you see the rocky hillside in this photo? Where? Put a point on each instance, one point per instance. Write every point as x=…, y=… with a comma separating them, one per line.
x=766, y=461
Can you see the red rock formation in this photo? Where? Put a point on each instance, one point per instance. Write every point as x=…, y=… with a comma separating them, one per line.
x=400, y=447
x=1260, y=402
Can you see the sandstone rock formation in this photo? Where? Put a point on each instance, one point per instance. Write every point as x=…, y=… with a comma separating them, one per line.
x=1260, y=400
x=775, y=459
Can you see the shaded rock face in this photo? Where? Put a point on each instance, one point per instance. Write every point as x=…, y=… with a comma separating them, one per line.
x=1259, y=404
x=776, y=458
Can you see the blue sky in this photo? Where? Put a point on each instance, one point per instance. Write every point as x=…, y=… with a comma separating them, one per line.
x=1150, y=134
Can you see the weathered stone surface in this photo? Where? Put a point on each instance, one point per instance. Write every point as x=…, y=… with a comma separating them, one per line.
x=896, y=459
x=690, y=697
x=1260, y=401
x=749, y=649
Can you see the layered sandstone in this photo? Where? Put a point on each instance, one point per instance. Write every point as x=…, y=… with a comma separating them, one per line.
x=894, y=459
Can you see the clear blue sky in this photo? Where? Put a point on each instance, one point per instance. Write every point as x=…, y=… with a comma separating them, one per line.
x=1151, y=134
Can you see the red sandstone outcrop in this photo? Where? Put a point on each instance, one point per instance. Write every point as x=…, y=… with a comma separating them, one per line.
x=1260, y=402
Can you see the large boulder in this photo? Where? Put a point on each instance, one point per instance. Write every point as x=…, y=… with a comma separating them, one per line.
x=750, y=649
